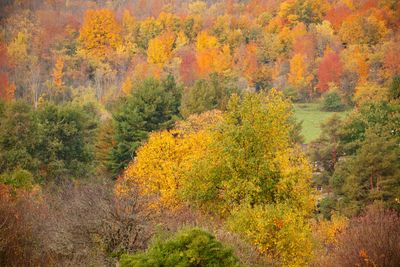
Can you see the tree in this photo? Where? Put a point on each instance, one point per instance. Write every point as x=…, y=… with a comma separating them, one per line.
x=18, y=138
x=251, y=170
x=372, y=173
x=307, y=11
x=299, y=77
x=66, y=136
x=242, y=168
x=329, y=71
x=361, y=29
x=370, y=239
x=208, y=94
x=100, y=33
x=188, y=247
x=153, y=105
x=160, y=48
x=370, y=92
x=161, y=165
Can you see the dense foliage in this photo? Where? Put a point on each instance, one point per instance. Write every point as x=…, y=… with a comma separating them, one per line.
x=189, y=247
x=120, y=117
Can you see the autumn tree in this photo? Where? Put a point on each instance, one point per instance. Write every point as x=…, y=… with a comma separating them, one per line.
x=251, y=171
x=211, y=56
x=100, y=33
x=308, y=11
x=370, y=92
x=160, y=48
x=299, y=76
x=359, y=29
x=329, y=71
x=171, y=155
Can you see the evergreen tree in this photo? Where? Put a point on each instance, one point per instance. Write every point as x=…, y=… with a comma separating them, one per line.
x=153, y=105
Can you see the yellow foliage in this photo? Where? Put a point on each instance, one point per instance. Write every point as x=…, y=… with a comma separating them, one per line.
x=58, y=72
x=129, y=26
x=181, y=40
x=198, y=122
x=160, y=49
x=197, y=7
x=206, y=41
x=210, y=56
x=298, y=76
x=127, y=85
x=161, y=165
x=327, y=230
x=100, y=33
x=355, y=60
x=369, y=92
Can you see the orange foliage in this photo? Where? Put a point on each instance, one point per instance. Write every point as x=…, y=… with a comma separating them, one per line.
x=100, y=33
x=58, y=72
x=211, y=56
x=7, y=90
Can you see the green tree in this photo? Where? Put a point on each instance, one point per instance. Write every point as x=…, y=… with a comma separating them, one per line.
x=253, y=176
x=373, y=173
x=188, y=247
x=153, y=105
x=65, y=144
x=208, y=94
x=18, y=138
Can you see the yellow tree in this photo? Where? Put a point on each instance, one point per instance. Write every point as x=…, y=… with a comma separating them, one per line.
x=369, y=92
x=58, y=72
x=161, y=166
x=160, y=49
x=299, y=77
x=307, y=11
x=210, y=55
x=100, y=33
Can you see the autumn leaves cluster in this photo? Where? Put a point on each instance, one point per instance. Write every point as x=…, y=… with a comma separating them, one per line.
x=239, y=165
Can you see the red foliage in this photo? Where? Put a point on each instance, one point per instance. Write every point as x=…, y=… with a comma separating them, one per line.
x=188, y=69
x=337, y=14
x=329, y=70
x=392, y=59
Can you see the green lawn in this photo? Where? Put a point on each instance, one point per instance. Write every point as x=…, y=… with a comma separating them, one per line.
x=312, y=118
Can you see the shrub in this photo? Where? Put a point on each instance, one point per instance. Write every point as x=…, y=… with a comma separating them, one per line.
x=370, y=240
x=189, y=247
x=332, y=101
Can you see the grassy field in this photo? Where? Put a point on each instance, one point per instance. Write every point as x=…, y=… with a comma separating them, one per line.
x=312, y=118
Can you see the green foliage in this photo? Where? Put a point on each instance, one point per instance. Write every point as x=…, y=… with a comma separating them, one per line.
x=50, y=142
x=312, y=117
x=18, y=179
x=252, y=171
x=394, y=88
x=208, y=94
x=18, y=138
x=360, y=155
x=153, y=105
x=372, y=173
x=332, y=101
x=66, y=132
x=325, y=150
x=189, y=247
x=381, y=115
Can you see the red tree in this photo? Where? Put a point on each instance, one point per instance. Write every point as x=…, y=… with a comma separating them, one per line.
x=329, y=70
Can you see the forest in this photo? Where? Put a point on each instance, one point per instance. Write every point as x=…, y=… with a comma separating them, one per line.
x=220, y=133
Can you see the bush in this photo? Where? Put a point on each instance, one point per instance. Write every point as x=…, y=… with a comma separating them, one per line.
x=332, y=101
x=189, y=247
x=370, y=240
